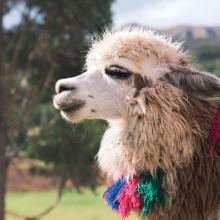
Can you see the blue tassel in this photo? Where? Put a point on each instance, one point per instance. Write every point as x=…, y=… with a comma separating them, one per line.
x=111, y=193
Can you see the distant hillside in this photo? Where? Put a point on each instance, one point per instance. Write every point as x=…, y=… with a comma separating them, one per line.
x=189, y=33
x=198, y=35
x=203, y=44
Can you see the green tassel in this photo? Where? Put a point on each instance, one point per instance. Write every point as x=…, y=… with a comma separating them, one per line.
x=149, y=189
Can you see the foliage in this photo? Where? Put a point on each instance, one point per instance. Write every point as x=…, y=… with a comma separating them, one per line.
x=69, y=150
x=208, y=57
x=48, y=44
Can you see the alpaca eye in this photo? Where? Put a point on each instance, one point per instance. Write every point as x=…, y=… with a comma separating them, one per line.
x=117, y=72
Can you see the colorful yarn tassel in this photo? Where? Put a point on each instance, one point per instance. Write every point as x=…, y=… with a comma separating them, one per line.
x=140, y=194
x=145, y=193
x=215, y=133
x=150, y=191
x=112, y=192
x=129, y=199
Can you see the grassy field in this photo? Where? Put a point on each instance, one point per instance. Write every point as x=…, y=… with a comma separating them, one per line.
x=74, y=206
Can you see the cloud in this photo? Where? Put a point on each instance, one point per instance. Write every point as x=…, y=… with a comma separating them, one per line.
x=13, y=17
x=167, y=13
x=153, y=13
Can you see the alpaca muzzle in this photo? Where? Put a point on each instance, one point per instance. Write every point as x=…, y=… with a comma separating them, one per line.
x=67, y=102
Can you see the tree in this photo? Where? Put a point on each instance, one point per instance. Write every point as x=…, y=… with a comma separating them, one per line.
x=208, y=55
x=47, y=44
x=3, y=111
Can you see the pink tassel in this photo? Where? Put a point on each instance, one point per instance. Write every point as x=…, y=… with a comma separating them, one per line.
x=215, y=133
x=129, y=199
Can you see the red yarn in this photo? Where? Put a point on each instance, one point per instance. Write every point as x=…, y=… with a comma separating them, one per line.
x=129, y=199
x=215, y=133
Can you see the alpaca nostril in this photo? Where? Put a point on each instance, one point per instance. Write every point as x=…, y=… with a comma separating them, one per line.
x=61, y=87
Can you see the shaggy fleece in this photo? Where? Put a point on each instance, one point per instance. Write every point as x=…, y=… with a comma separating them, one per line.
x=170, y=130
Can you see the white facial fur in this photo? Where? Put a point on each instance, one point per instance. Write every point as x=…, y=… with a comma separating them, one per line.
x=97, y=91
x=140, y=51
x=105, y=97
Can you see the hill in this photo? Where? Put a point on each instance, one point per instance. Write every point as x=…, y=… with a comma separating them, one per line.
x=190, y=33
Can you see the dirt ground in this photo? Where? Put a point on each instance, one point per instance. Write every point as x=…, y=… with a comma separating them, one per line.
x=20, y=179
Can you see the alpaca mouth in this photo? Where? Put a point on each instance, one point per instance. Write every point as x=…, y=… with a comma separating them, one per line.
x=69, y=107
x=67, y=102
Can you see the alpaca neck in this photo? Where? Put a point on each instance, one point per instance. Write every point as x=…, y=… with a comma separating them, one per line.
x=167, y=136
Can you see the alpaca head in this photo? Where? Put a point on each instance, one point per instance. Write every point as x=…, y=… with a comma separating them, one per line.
x=130, y=73
x=116, y=65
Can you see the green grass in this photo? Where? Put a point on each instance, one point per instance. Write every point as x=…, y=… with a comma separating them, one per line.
x=74, y=206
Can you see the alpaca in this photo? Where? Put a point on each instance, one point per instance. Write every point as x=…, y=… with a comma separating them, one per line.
x=160, y=111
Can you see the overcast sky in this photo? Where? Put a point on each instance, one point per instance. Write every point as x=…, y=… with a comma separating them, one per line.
x=154, y=13
x=167, y=13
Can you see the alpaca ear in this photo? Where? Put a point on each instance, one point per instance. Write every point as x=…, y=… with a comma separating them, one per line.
x=198, y=84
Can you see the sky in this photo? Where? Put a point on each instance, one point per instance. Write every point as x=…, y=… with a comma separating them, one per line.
x=154, y=13
x=167, y=13
x=13, y=17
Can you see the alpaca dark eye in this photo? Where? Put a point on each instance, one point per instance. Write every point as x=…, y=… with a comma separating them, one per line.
x=117, y=72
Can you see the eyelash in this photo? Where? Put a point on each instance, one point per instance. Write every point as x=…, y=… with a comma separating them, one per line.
x=117, y=72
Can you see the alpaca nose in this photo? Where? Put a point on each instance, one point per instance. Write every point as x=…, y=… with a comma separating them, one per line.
x=64, y=86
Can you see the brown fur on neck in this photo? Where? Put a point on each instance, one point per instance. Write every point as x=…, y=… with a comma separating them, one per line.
x=173, y=133
x=167, y=133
